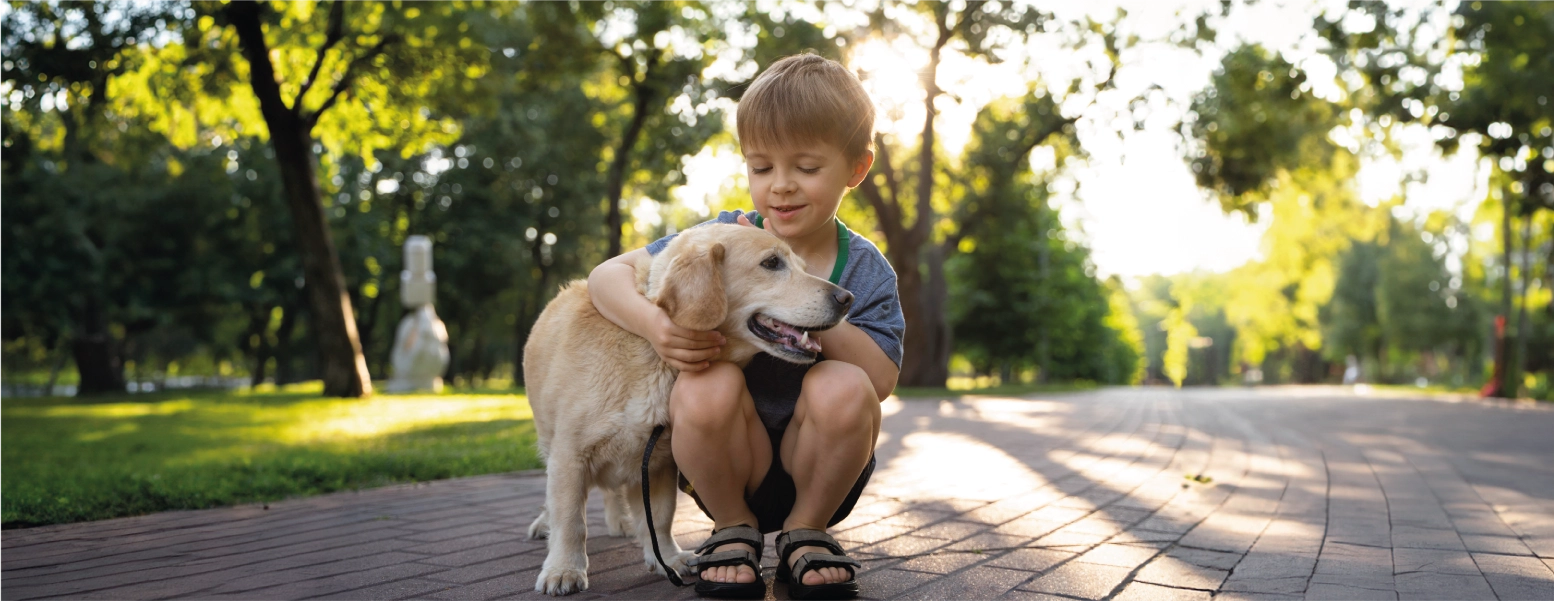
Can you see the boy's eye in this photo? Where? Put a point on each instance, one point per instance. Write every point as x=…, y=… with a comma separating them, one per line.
x=810, y=170
x=760, y=169
x=772, y=263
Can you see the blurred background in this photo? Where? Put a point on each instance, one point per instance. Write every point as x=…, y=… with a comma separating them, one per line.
x=210, y=194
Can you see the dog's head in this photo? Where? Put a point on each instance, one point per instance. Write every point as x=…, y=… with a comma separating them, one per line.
x=749, y=285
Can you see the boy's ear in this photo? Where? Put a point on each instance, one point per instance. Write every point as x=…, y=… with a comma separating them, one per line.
x=861, y=168
x=692, y=292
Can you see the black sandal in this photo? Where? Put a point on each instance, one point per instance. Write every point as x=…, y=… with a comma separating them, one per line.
x=736, y=557
x=808, y=562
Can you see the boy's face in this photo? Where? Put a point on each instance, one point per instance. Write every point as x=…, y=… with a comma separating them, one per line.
x=798, y=188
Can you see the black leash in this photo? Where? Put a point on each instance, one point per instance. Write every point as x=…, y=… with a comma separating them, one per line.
x=647, y=507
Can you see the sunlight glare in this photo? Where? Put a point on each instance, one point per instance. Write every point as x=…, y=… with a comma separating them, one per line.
x=954, y=465
x=383, y=415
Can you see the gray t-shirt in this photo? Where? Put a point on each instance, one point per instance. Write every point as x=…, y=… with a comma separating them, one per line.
x=862, y=270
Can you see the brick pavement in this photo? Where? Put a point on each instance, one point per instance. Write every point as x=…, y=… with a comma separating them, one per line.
x=1294, y=493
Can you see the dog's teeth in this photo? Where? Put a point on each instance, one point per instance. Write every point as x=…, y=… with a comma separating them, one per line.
x=804, y=339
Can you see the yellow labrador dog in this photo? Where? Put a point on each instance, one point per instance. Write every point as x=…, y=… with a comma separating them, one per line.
x=597, y=390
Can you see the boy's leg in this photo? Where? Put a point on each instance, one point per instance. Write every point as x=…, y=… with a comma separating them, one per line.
x=825, y=449
x=721, y=446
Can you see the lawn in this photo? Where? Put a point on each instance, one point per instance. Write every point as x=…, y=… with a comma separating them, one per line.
x=70, y=460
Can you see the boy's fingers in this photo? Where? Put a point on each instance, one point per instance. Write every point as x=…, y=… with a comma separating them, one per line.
x=695, y=356
x=713, y=336
x=742, y=220
x=695, y=345
x=691, y=367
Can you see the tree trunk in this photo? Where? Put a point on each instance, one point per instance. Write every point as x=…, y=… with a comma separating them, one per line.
x=344, y=368
x=97, y=354
x=617, y=178
x=368, y=328
x=1521, y=313
x=1504, y=386
x=927, y=352
x=258, y=322
x=59, y=364
x=283, y=345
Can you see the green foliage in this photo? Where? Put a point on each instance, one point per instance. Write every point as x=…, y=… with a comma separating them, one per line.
x=1511, y=84
x=73, y=460
x=1022, y=294
x=1395, y=303
x=1253, y=121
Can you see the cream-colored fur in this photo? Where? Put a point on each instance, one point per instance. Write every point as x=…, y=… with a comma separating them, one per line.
x=597, y=390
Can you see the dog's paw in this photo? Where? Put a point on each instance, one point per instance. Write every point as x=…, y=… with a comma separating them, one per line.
x=561, y=581
x=679, y=562
x=540, y=528
x=619, y=525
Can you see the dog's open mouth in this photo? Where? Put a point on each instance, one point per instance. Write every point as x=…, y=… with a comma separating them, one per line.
x=790, y=338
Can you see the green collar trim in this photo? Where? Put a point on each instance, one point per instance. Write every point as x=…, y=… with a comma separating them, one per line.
x=843, y=237
x=843, y=240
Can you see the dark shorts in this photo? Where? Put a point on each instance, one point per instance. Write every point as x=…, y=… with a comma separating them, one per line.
x=773, y=499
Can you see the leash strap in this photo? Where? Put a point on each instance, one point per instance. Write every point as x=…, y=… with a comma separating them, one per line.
x=647, y=507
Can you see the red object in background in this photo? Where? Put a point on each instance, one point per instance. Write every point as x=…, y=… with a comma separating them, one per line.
x=1492, y=387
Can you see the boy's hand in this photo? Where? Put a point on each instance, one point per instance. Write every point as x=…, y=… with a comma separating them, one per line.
x=683, y=348
x=742, y=220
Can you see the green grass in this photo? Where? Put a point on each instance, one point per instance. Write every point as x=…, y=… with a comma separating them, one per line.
x=907, y=392
x=70, y=460
x=1430, y=389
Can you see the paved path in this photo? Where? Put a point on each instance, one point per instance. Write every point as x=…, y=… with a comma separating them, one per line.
x=1295, y=493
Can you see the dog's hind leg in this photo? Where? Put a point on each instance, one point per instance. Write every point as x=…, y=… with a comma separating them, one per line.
x=663, y=497
x=540, y=527
x=617, y=515
x=566, y=491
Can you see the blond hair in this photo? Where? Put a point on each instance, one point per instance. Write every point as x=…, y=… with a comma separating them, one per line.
x=803, y=99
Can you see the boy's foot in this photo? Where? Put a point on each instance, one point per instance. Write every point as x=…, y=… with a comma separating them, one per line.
x=740, y=574
x=815, y=566
x=819, y=575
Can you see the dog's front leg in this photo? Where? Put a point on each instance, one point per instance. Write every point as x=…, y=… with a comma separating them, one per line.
x=664, y=488
x=566, y=490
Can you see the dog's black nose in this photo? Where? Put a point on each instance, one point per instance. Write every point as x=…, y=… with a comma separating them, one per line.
x=843, y=298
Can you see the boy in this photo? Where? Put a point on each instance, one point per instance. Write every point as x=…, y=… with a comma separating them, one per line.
x=778, y=446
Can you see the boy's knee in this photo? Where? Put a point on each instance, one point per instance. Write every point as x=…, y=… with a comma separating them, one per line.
x=842, y=392
x=711, y=396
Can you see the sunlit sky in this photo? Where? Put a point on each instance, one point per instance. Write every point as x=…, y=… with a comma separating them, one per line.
x=1133, y=200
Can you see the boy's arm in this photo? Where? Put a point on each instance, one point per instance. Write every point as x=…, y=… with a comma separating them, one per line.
x=850, y=344
x=613, y=288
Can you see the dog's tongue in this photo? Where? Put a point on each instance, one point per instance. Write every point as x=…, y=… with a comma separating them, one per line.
x=800, y=339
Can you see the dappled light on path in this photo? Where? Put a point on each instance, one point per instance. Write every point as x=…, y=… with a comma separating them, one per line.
x=1117, y=494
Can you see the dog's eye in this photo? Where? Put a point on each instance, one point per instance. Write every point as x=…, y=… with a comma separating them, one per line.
x=773, y=263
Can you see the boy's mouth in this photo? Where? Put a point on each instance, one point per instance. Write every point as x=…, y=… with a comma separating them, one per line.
x=786, y=211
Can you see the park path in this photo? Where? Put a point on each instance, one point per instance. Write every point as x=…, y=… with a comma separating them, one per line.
x=1300, y=493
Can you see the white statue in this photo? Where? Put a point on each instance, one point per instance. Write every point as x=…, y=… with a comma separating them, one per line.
x=421, y=343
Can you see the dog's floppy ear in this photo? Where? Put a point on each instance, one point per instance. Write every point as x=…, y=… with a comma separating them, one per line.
x=692, y=293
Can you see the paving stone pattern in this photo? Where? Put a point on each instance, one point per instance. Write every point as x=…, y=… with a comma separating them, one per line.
x=1120, y=494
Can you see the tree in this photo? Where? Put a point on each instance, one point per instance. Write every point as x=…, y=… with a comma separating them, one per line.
x=1022, y=293
x=362, y=52
x=915, y=248
x=61, y=59
x=655, y=52
x=1502, y=51
x=1261, y=146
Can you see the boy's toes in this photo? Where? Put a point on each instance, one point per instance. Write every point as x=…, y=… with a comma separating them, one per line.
x=739, y=574
x=825, y=576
